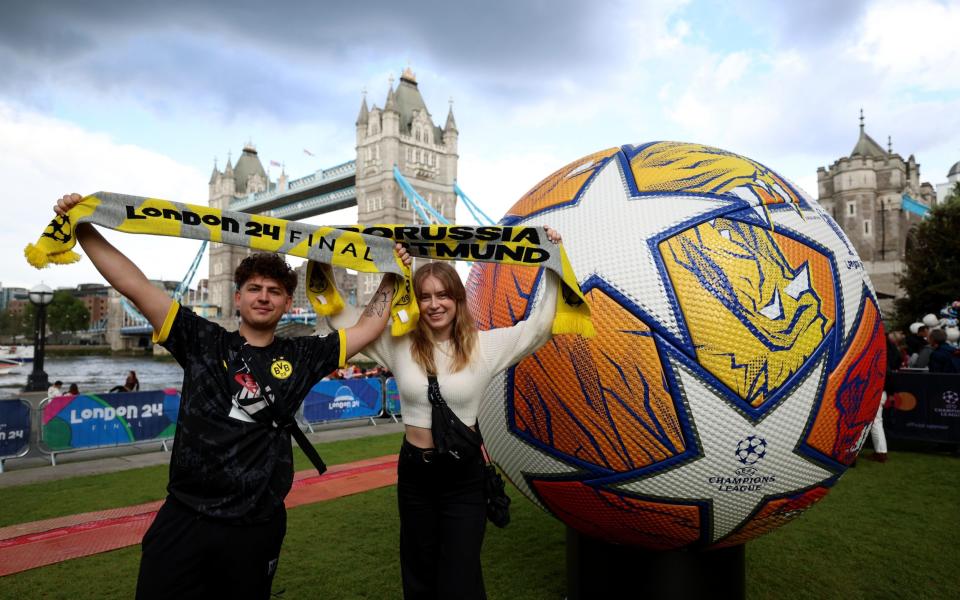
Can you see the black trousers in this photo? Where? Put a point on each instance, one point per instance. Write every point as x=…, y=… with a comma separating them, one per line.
x=442, y=521
x=186, y=555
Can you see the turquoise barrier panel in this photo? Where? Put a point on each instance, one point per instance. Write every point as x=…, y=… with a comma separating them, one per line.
x=14, y=428
x=98, y=420
x=341, y=399
x=392, y=396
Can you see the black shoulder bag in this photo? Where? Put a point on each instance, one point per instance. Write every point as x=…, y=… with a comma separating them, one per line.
x=450, y=436
x=283, y=421
x=454, y=439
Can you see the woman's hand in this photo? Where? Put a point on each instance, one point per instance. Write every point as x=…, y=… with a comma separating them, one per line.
x=553, y=235
x=403, y=255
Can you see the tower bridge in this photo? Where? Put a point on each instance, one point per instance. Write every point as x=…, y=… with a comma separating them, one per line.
x=323, y=191
x=401, y=134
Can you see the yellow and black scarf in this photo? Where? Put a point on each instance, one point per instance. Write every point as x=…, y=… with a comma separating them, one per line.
x=367, y=249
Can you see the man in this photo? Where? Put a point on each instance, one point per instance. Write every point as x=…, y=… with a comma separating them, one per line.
x=220, y=530
x=943, y=358
x=916, y=340
x=55, y=390
x=921, y=358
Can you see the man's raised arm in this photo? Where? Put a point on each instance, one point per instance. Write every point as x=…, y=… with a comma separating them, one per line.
x=118, y=270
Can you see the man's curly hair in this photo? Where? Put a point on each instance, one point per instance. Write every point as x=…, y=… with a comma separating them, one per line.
x=266, y=264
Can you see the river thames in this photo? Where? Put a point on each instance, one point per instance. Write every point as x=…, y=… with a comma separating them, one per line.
x=97, y=373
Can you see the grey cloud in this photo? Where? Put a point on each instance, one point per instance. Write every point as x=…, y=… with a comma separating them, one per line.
x=246, y=55
x=804, y=24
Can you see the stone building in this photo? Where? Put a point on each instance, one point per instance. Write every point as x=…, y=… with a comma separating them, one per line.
x=235, y=181
x=864, y=192
x=402, y=134
x=95, y=296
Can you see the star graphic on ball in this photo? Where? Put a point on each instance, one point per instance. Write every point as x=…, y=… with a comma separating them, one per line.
x=769, y=446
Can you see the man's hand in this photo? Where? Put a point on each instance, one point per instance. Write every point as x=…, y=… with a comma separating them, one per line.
x=67, y=202
x=117, y=269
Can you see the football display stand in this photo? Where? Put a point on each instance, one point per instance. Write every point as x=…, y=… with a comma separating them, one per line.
x=596, y=569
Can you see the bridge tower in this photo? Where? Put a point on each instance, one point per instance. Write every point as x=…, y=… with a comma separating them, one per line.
x=402, y=134
x=246, y=177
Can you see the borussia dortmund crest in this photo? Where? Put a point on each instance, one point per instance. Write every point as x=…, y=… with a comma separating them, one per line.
x=59, y=229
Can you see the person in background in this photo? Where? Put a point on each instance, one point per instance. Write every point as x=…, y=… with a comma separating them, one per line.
x=55, y=390
x=132, y=384
x=897, y=356
x=73, y=391
x=943, y=357
x=921, y=358
x=916, y=339
x=895, y=361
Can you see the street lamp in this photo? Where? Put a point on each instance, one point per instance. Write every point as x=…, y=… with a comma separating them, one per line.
x=40, y=296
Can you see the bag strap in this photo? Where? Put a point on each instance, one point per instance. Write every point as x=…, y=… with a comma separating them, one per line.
x=286, y=422
x=433, y=391
x=436, y=399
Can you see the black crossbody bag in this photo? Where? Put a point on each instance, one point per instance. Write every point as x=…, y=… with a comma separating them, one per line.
x=286, y=422
x=454, y=439
x=450, y=436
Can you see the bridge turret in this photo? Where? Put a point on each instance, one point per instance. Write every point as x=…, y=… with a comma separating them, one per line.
x=391, y=117
x=228, y=184
x=363, y=119
x=249, y=173
x=450, y=132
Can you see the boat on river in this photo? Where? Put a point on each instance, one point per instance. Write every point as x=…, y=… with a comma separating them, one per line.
x=7, y=364
x=20, y=354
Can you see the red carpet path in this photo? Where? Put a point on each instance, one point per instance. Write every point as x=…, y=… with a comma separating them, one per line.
x=31, y=545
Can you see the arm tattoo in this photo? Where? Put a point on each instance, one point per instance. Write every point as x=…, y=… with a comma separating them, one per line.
x=378, y=304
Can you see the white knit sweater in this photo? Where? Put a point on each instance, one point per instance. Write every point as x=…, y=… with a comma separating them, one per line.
x=496, y=350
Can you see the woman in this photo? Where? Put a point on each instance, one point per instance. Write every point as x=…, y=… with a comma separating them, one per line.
x=73, y=390
x=132, y=384
x=442, y=503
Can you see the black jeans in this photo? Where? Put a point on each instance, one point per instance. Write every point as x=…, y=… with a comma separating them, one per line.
x=186, y=555
x=442, y=521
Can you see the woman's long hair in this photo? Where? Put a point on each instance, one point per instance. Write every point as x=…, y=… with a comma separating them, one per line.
x=464, y=334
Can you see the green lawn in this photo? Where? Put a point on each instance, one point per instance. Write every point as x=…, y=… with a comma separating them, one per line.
x=885, y=531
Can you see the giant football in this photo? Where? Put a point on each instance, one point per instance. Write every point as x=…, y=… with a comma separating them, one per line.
x=738, y=360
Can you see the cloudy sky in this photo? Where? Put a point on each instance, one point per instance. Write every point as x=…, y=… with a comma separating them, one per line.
x=142, y=97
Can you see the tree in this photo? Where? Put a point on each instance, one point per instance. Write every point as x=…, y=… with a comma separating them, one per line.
x=66, y=313
x=932, y=275
x=13, y=325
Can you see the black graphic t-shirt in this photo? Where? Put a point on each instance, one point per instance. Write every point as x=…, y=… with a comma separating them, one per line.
x=225, y=464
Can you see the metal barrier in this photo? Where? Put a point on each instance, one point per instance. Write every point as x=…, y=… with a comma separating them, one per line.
x=391, y=398
x=14, y=429
x=89, y=421
x=342, y=400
